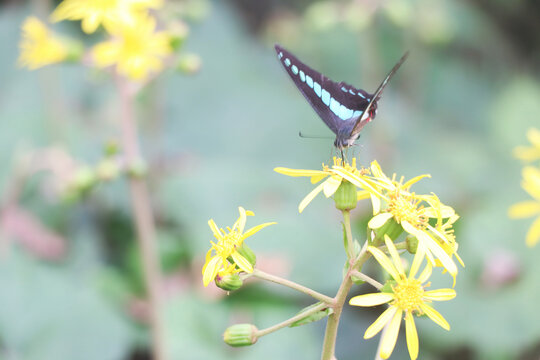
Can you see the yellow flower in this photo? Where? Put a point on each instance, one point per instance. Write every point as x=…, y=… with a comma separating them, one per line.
x=136, y=49
x=524, y=209
x=413, y=212
x=94, y=13
x=340, y=171
x=530, y=153
x=40, y=47
x=408, y=297
x=223, y=257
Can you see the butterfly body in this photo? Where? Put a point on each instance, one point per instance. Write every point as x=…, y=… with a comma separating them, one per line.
x=343, y=108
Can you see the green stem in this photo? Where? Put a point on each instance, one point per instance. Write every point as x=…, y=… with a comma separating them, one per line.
x=329, y=344
x=288, y=322
x=400, y=246
x=144, y=221
x=276, y=279
x=347, y=223
x=367, y=279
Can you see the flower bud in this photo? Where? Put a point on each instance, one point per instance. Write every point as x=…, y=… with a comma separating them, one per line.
x=178, y=32
x=75, y=51
x=107, y=170
x=137, y=169
x=111, y=148
x=230, y=282
x=189, y=63
x=390, y=228
x=412, y=244
x=246, y=252
x=83, y=179
x=345, y=196
x=240, y=335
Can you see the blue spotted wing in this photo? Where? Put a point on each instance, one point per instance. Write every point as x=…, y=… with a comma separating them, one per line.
x=343, y=108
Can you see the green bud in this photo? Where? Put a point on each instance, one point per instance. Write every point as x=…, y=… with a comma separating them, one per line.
x=137, y=169
x=345, y=196
x=412, y=244
x=189, y=63
x=319, y=315
x=390, y=228
x=107, y=170
x=240, y=335
x=246, y=252
x=83, y=179
x=111, y=148
x=230, y=282
x=75, y=51
x=178, y=32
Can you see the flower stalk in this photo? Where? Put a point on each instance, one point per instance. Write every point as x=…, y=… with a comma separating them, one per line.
x=144, y=220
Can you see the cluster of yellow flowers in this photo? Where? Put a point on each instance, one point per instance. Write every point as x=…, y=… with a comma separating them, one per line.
x=134, y=46
x=531, y=184
x=427, y=222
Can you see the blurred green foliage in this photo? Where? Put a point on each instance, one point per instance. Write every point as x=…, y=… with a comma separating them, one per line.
x=459, y=105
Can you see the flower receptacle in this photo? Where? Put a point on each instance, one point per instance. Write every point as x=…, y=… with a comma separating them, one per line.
x=240, y=335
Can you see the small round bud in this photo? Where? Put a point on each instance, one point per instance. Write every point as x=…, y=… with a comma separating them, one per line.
x=178, y=32
x=75, y=51
x=111, y=148
x=107, y=170
x=345, y=196
x=137, y=169
x=412, y=244
x=229, y=282
x=240, y=335
x=390, y=228
x=246, y=252
x=83, y=179
x=189, y=63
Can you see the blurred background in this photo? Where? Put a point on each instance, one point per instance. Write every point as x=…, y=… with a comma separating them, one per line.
x=70, y=276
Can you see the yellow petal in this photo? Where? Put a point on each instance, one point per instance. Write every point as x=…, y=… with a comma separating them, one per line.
x=389, y=339
x=215, y=229
x=299, y=172
x=424, y=275
x=534, y=136
x=371, y=299
x=362, y=194
x=310, y=197
x=379, y=220
x=242, y=262
x=533, y=235
x=409, y=183
x=435, y=316
x=356, y=180
x=331, y=185
x=412, y=336
x=394, y=254
x=384, y=261
x=254, y=229
x=417, y=261
x=440, y=294
x=381, y=321
x=211, y=270
x=241, y=222
x=376, y=204
x=524, y=209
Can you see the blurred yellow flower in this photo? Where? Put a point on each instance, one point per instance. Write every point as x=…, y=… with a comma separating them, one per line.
x=407, y=297
x=223, y=257
x=108, y=13
x=531, y=153
x=410, y=211
x=40, y=47
x=136, y=49
x=340, y=171
x=525, y=209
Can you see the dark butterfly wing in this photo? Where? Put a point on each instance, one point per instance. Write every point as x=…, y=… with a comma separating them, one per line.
x=365, y=118
x=334, y=102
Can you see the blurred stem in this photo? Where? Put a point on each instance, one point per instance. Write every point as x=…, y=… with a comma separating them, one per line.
x=144, y=220
x=367, y=279
x=330, y=335
x=288, y=322
x=276, y=279
x=350, y=245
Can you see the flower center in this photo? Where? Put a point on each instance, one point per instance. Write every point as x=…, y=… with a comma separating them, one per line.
x=408, y=294
x=351, y=168
x=228, y=244
x=405, y=208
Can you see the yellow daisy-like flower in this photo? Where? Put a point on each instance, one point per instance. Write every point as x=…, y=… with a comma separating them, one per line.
x=339, y=172
x=413, y=212
x=108, y=13
x=136, y=49
x=525, y=209
x=408, y=297
x=531, y=153
x=223, y=257
x=39, y=46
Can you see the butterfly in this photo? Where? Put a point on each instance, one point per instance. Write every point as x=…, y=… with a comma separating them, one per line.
x=342, y=107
